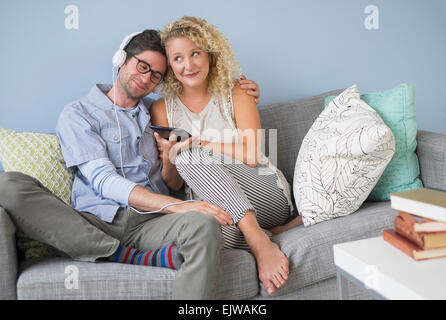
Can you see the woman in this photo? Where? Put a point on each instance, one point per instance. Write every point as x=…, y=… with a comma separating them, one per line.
x=201, y=96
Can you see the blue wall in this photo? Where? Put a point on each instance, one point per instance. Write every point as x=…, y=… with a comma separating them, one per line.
x=292, y=48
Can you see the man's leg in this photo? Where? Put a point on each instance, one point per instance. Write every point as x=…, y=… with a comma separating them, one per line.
x=45, y=218
x=199, y=240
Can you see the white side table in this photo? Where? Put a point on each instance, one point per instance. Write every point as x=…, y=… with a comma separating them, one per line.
x=387, y=273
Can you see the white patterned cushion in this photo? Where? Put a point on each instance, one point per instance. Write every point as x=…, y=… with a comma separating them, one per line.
x=341, y=159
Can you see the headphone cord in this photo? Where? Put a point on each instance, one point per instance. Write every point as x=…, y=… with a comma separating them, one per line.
x=164, y=207
x=119, y=125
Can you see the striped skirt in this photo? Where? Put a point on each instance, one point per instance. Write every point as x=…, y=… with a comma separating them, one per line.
x=236, y=188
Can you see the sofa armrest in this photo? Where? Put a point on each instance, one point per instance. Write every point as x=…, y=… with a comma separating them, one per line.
x=8, y=258
x=431, y=153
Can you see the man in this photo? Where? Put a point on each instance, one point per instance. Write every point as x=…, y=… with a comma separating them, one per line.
x=106, y=138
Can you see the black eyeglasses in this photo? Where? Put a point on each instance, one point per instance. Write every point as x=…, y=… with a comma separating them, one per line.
x=143, y=67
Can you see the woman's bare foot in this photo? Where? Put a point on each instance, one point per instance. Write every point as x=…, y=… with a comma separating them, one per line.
x=272, y=264
x=292, y=224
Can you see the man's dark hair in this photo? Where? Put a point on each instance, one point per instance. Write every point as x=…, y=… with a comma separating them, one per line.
x=147, y=40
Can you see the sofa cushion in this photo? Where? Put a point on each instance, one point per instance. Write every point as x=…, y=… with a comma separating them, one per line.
x=8, y=260
x=310, y=249
x=397, y=108
x=322, y=290
x=341, y=159
x=54, y=279
x=431, y=152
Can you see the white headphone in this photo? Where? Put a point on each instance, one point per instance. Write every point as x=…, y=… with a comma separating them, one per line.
x=120, y=55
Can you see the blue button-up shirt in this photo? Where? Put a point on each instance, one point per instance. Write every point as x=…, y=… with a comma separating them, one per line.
x=88, y=130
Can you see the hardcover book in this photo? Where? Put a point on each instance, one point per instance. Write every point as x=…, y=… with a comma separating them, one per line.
x=423, y=202
x=410, y=248
x=422, y=224
x=423, y=239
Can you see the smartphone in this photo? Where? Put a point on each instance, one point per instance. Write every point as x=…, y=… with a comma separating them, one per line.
x=165, y=132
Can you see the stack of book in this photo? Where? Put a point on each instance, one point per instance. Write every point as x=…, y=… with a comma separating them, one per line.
x=420, y=226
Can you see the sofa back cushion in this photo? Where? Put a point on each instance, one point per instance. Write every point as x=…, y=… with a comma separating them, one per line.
x=292, y=120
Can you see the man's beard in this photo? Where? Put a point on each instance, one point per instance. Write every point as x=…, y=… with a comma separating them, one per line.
x=125, y=84
x=130, y=95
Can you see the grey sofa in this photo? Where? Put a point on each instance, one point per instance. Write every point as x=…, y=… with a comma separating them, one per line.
x=309, y=249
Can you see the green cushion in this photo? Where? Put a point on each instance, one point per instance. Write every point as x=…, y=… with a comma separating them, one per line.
x=397, y=108
x=37, y=155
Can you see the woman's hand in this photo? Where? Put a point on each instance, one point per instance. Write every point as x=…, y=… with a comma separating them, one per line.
x=164, y=145
x=169, y=149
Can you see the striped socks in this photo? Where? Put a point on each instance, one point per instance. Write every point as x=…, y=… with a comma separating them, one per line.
x=166, y=257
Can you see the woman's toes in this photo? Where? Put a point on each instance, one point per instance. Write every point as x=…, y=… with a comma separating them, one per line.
x=269, y=286
x=284, y=272
x=279, y=281
x=286, y=269
x=284, y=265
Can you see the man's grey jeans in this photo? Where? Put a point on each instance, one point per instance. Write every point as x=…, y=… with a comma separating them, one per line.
x=85, y=237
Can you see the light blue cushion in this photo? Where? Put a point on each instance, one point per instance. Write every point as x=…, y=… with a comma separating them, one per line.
x=396, y=107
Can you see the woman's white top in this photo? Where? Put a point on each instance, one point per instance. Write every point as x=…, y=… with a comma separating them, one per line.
x=215, y=123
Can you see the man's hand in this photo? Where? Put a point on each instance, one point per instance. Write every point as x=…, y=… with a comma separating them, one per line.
x=142, y=199
x=207, y=208
x=251, y=88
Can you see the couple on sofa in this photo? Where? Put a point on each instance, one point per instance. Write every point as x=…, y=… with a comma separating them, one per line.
x=122, y=210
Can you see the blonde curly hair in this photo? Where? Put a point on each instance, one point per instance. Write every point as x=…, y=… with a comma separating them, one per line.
x=223, y=68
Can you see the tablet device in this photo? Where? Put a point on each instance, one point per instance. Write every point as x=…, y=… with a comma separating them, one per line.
x=165, y=132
